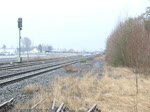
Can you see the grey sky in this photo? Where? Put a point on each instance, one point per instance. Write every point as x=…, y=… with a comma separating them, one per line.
x=77, y=24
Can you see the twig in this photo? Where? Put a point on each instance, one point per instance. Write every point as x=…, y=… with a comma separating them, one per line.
x=60, y=107
x=53, y=105
x=37, y=104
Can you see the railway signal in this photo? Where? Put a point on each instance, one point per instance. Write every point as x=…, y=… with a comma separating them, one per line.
x=20, y=28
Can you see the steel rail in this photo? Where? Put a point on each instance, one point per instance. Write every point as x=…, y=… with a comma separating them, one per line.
x=5, y=106
x=32, y=70
x=30, y=64
x=14, y=62
x=36, y=74
x=26, y=65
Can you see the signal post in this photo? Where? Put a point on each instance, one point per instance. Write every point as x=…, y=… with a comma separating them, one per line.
x=19, y=50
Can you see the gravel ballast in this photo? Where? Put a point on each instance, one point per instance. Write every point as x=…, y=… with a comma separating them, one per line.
x=16, y=89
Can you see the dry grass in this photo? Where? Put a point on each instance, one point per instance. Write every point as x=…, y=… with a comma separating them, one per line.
x=30, y=89
x=115, y=92
x=70, y=68
x=100, y=56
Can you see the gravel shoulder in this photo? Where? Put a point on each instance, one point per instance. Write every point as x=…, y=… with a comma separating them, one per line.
x=16, y=89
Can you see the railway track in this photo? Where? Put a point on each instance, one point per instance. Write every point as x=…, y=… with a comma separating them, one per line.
x=32, y=70
x=23, y=62
x=36, y=60
x=15, y=77
x=31, y=63
x=12, y=78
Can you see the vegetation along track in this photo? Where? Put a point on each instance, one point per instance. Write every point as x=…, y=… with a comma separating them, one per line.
x=31, y=63
x=11, y=78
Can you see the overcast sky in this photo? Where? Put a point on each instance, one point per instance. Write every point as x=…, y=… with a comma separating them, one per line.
x=77, y=24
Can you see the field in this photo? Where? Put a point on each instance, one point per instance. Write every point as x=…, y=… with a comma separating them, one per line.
x=115, y=92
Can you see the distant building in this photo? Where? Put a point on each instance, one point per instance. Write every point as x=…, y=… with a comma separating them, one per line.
x=34, y=51
x=8, y=51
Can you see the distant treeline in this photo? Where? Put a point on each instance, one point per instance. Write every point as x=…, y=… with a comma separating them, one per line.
x=129, y=44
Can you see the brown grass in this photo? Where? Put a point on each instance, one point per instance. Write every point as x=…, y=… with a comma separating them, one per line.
x=115, y=92
x=30, y=89
x=70, y=68
x=101, y=57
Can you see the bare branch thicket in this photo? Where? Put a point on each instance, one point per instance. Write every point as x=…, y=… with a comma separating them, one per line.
x=129, y=45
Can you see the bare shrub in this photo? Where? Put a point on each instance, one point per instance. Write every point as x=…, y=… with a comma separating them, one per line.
x=129, y=45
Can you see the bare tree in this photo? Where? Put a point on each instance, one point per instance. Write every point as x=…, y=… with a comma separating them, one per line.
x=26, y=44
x=128, y=45
x=147, y=19
x=49, y=48
x=4, y=47
x=40, y=48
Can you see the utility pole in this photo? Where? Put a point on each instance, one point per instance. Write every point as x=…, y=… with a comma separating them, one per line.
x=20, y=28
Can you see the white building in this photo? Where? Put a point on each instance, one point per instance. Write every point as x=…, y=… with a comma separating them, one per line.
x=34, y=51
x=7, y=51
